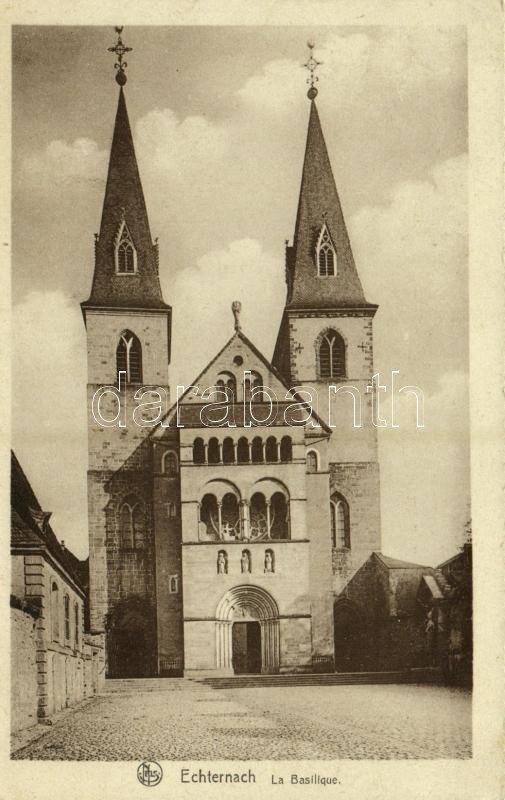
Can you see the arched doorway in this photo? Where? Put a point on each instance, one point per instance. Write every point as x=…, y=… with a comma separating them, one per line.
x=247, y=631
x=347, y=636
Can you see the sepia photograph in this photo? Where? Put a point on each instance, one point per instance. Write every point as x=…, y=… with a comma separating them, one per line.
x=240, y=466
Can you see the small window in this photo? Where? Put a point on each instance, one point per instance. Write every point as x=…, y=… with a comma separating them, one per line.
x=170, y=463
x=131, y=524
x=129, y=357
x=326, y=256
x=125, y=253
x=198, y=451
x=286, y=448
x=55, y=612
x=243, y=450
x=172, y=510
x=76, y=623
x=340, y=526
x=271, y=453
x=66, y=607
x=173, y=584
x=311, y=461
x=332, y=356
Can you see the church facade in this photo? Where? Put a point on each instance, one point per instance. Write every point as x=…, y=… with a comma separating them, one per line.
x=223, y=536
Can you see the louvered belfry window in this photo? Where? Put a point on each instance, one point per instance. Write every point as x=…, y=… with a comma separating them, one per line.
x=332, y=356
x=126, y=256
x=326, y=255
x=129, y=357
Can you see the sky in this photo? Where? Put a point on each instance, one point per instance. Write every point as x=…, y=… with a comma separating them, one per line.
x=219, y=117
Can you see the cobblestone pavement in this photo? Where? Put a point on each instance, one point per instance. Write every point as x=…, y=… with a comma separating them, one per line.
x=304, y=722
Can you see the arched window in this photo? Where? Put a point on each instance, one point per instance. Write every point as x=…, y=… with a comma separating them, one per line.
x=243, y=451
x=332, y=356
x=209, y=515
x=279, y=516
x=66, y=616
x=170, y=464
x=222, y=562
x=257, y=450
x=228, y=451
x=326, y=255
x=230, y=516
x=132, y=524
x=286, y=448
x=76, y=623
x=258, y=516
x=125, y=253
x=129, y=357
x=213, y=452
x=226, y=383
x=253, y=388
x=340, y=526
x=271, y=449
x=311, y=461
x=198, y=451
x=55, y=612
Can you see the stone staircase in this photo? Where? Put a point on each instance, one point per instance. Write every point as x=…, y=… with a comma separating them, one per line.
x=126, y=685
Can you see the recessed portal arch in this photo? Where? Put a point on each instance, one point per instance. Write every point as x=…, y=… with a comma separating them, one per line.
x=247, y=604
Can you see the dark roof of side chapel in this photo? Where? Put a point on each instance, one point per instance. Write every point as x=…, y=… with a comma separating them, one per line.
x=396, y=563
x=124, y=200
x=319, y=204
x=27, y=531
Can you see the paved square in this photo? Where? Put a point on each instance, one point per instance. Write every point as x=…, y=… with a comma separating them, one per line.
x=189, y=721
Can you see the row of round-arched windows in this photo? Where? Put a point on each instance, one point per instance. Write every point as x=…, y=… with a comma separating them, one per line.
x=258, y=518
x=243, y=451
x=246, y=562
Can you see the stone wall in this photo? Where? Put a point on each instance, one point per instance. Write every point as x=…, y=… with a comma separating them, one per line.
x=50, y=653
x=23, y=670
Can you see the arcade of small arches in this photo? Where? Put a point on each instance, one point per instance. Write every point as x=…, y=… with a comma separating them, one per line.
x=224, y=515
x=243, y=451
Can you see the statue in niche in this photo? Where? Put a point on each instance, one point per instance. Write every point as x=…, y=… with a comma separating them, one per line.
x=222, y=566
x=245, y=561
x=269, y=562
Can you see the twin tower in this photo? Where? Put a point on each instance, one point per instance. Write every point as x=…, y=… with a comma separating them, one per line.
x=223, y=549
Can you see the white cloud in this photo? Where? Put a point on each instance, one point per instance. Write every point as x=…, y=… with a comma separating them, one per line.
x=182, y=146
x=412, y=258
x=203, y=294
x=49, y=410
x=60, y=161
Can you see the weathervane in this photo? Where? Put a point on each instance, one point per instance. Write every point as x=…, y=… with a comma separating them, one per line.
x=120, y=49
x=312, y=64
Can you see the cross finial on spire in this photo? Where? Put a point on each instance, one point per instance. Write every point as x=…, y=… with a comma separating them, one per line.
x=120, y=49
x=312, y=64
x=236, y=307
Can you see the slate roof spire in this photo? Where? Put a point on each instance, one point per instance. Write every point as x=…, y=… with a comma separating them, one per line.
x=120, y=281
x=319, y=206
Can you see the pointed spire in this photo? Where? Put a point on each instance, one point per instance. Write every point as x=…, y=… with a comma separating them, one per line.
x=128, y=278
x=318, y=208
